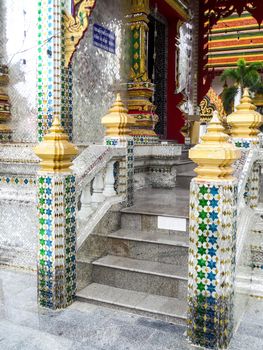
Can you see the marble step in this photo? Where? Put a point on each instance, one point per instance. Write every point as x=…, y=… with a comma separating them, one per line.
x=159, y=307
x=160, y=202
x=171, y=248
x=139, y=220
x=141, y=275
x=184, y=165
x=183, y=179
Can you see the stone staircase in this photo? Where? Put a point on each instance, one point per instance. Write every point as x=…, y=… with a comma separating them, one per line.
x=142, y=267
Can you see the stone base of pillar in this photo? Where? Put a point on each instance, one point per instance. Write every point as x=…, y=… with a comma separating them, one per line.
x=213, y=211
x=57, y=240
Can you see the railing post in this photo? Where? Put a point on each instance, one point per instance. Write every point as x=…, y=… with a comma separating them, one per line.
x=98, y=186
x=245, y=133
x=86, y=203
x=118, y=123
x=245, y=123
x=109, y=190
x=212, y=229
x=57, y=220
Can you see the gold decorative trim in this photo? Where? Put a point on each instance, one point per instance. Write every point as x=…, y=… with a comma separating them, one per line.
x=175, y=5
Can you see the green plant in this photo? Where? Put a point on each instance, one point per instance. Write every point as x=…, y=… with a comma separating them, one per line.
x=244, y=75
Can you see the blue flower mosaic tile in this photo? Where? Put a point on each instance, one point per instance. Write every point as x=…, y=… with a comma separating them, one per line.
x=211, y=263
x=57, y=241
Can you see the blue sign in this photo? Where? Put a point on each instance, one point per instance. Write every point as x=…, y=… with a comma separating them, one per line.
x=104, y=38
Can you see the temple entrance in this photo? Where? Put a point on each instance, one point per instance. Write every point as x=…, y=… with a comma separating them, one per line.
x=163, y=52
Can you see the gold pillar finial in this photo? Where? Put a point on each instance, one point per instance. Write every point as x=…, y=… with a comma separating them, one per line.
x=215, y=154
x=117, y=121
x=245, y=121
x=56, y=152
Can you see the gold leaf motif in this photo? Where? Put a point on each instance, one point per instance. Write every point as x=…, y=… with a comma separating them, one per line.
x=75, y=27
x=136, y=45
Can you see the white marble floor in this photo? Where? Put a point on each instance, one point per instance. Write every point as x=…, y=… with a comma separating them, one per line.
x=23, y=326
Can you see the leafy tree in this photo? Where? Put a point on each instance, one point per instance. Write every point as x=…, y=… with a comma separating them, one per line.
x=244, y=75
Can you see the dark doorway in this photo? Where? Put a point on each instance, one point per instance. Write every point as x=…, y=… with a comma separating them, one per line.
x=157, y=68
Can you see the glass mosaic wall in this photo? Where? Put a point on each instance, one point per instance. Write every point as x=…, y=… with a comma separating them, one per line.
x=97, y=73
x=18, y=221
x=18, y=50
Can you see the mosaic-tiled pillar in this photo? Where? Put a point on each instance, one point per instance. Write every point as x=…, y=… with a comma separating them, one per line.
x=140, y=88
x=212, y=230
x=118, y=123
x=57, y=220
x=212, y=262
x=61, y=25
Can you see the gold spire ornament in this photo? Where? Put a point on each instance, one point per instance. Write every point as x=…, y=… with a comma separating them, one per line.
x=245, y=121
x=117, y=121
x=55, y=151
x=215, y=154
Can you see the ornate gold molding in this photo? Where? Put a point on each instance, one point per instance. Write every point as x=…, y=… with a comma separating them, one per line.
x=76, y=26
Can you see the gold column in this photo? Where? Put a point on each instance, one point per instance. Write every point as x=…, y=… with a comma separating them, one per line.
x=5, y=114
x=140, y=88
